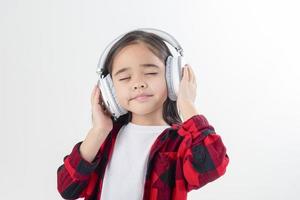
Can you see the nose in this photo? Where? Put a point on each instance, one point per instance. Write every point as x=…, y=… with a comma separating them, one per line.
x=139, y=85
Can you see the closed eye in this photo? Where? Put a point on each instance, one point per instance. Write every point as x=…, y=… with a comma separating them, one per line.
x=123, y=79
x=129, y=77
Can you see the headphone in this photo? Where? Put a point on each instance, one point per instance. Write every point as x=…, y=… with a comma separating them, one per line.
x=174, y=65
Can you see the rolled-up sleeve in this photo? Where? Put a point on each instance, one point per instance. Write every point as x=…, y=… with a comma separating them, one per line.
x=203, y=153
x=74, y=174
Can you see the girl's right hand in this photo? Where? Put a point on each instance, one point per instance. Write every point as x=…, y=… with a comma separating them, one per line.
x=100, y=116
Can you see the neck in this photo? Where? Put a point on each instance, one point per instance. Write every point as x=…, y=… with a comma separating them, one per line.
x=152, y=119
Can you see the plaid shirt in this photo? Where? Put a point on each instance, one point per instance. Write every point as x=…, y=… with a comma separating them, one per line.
x=184, y=157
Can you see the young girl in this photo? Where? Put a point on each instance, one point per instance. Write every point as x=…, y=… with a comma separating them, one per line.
x=150, y=152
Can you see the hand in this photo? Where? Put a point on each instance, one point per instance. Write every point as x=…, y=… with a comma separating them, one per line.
x=187, y=93
x=100, y=116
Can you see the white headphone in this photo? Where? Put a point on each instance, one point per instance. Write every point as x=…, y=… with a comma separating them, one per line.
x=174, y=65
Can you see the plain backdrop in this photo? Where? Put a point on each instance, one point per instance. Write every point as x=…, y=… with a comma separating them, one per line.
x=245, y=55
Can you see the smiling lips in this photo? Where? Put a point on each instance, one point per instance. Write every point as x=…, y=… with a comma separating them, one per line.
x=142, y=97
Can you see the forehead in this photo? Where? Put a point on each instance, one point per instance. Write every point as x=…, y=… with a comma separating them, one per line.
x=135, y=57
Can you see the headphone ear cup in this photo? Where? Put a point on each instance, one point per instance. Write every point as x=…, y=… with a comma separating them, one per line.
x=173, y=75
x=116, y=106
x=109, y=98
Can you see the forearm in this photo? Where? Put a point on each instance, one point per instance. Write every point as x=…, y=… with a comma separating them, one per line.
x=92, y=143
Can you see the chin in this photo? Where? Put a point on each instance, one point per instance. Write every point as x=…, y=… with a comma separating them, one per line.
x=141, y=110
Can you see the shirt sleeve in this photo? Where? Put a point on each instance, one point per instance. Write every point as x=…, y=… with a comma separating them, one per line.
x=202, y=151
x=74, y=174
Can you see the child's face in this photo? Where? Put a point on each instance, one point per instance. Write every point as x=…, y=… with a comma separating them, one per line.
x=136, y=76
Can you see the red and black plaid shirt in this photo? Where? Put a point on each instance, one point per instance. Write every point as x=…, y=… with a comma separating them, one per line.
x=184, y=157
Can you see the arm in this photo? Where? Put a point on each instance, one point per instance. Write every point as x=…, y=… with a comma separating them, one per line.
x=74, y=175
x=202, y=151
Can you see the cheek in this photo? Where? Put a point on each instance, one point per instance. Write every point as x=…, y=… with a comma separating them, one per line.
x=121, y=93
x=159, y=87
x=160, y=83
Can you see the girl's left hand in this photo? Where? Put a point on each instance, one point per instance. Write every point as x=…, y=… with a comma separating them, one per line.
x=187, y=88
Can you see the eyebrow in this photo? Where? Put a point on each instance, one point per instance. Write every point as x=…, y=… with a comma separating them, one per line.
x=141, y=65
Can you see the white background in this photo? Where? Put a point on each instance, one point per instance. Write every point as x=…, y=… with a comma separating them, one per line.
x=245, y=55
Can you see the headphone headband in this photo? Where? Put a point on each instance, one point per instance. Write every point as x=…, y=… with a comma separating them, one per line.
x=164, y=35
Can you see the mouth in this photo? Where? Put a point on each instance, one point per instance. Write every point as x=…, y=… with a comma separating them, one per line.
x=142, y=98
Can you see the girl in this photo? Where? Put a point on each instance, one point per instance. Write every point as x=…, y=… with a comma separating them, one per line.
x=150, y=152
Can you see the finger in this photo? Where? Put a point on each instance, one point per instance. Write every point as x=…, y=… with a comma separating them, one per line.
x=186, y=73
x=96, y=96
x=93, y=94
x=182, y=72
x=99, y=99
x=193, y=77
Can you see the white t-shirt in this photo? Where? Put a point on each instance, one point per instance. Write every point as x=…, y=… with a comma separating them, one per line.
x=125, y=173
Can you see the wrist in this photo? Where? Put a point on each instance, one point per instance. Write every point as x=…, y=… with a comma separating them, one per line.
x=188, y=110
x=98, y=130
